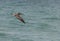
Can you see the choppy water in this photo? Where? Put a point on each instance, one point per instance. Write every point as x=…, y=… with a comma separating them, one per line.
x=42, y=20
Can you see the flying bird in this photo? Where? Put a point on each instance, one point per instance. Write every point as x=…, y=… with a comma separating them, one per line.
x=18, y=16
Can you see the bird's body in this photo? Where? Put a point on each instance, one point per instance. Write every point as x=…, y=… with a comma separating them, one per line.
x=17, y=15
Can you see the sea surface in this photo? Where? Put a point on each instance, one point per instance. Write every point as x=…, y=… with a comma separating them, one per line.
x=42, y=19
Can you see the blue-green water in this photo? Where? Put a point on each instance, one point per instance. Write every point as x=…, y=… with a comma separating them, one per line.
x=42, y=19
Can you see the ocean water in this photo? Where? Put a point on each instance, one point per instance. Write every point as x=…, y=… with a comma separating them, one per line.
x=42, y=19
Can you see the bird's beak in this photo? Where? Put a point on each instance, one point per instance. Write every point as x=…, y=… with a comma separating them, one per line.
x=13, y=14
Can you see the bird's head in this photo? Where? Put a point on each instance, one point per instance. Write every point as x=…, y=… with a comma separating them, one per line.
x=19, y=13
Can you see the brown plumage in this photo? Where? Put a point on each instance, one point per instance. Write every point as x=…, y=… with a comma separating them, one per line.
x=17, y=15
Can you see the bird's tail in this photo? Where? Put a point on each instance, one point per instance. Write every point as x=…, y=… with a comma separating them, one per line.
x=22, y=21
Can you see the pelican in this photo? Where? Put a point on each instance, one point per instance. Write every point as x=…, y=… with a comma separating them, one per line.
x=18, y=16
